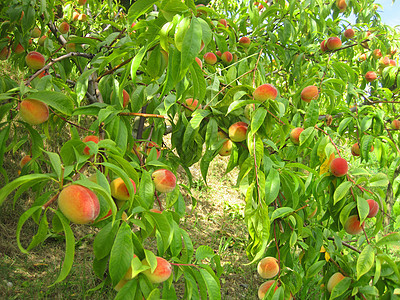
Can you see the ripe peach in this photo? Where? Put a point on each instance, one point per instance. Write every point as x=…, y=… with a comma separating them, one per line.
x=309, y=93
x=25, y=160
x=373, y=208
x=91, y=138
x=349, y=33
x=263, y=289
x=341, y=5
x=33, y=112
x=244, y=41
x=161, y=273
x=295, y=135
x=125, y=97
x=199, y=62
x=237, y=131
x=396, y=124
x=192, y=104
x=82, y=18
x=4, y=53
x=17, y=48
x=376, y=53
x=75, y=16
x=41, y=40
x=164, y=180
x=218, y=53
x=222, y=23
x=338, y=167
x=384, y=61
x=334, y=280
x=82, y=2
x=200, y=10
x=63, y=27
x=79, y=204
x=333, y=43
x=149, y=145
x=210, y=58
x=370, y=76
x=392, y=63
x=226, y=57
x=353, y=226
x=226, y=146
x=119, y=190
x=323, y=46
x=363, y=57
x=265, y=92
x=268, y=267
x=35, y=60
x=355, y=149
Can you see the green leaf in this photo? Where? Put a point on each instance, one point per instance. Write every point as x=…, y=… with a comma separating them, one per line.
x=315, y=268
x=55, y=163
x=82, y=84
x=272, y=186
x=199, y=82
x=281, y=212
x=128, y=291
x=363, y=208
x=365, y=261
x=392, y=239
x=105, y=240
x=146, y=190
x=379, y=179
x=24, y=217
x=137, y=60
x=340, y=288
x=191, y=45
x=213, y=287
x=312, y=114
x=138, y=8
x=258, y=119
x=341, y=191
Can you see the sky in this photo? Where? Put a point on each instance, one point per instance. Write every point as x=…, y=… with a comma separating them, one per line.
x=390, y=13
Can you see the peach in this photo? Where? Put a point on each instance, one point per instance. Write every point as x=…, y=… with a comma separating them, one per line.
x=309, y=93
x=355, y=149
x=334, y=280
x=226, y=146
x=338, y=167
x=237, y=131
x=79, y=204
x=349, y=33
x=268, y=267
x=25, y=160
x=384, y=61
x=263, y=289
x=119, y=190
x=149, y=145
x=200, y=10
x=193, y=104
x=392, y=63
x=210, y=58
x=161, y=273
x=33, y=112
x=82, y=2
x=35, y=60
x=248, y=111
x=17, y=48
x=91, y=138
x=333, y=43
x=370, y=76
x=226, y=57
x=70, y=47
x=120, y=285
x=36, y=32
x=323, y=46
x=295, y=135
x=75, y=16
x=155, y=210
x=125, y=97
x=41, y=40
x=376, y=53
x=63, y=27
x=341, y=5
x=244, y=41
x=373, y=208
x=4, y=53
x=128, y=274
x=396, y=124
x=199, y=62
x=222, y=23
x=265, y=92
x=218, y=53
x=82, y=18
x=363, y=57
x=353, y=226
x=164, y=180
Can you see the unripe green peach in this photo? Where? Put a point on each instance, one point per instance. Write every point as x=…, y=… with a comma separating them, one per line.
x=353, y=226
x=36, y=32
x=338, y=167
x=63, y=27
x=334, y=280
x=244, y=41
x=161, y=273
x=309, y=93
x=295, y=135
x=41, y=40
x=119, y=190
x=25, y=160
x=79, y=204
x=210, y=58
x=35, y=60
x=373, y=208
x=33, y=112
x=226, y=57
x=237, y=131
x=226, y=146
x=164, y=180
x=91, y=138
x=333, y=43
x=370, y=76
x=396, y=124
x=263, y=289
x=265, y=92
x=268, y=267
x=248, y=111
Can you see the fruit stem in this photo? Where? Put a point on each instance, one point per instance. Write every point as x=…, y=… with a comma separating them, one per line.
x=71, y=123
x=48, y=203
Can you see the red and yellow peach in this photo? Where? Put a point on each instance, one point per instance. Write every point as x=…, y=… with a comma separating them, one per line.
x=338, y=167
x=33, y=112
x=237, y=131
x=164, y=180
x=161, y=273
x=265, y=92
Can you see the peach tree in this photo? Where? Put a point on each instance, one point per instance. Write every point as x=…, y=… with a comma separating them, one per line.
x=303, y=102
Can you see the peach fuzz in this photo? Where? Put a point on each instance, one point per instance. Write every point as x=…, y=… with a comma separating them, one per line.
x=333, y=43
x=25, y=160
x=263, y=289
x=370, y=76
x=237, y=131
x=226, y=57
x=338, y=167
x=244, y=41
x=91, y=138
x=79, y=204
x=164, y=180
x=226, y=146
x=349, y=33
x=309, y=93
x=396, y=124
x=373, y=208
x=334, y=280
x=265, y=92
x=341, y=5
x=353, y=226
x=161, y=273
x=295, y=135
x=35, y=60
x=210, y=58
x=63, y=27
x=119, y=190
x=268, y=267
x=33, y=112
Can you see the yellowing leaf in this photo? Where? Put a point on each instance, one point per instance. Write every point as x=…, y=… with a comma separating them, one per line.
x=327, y=256
x=325, y=166
x=322, y=249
